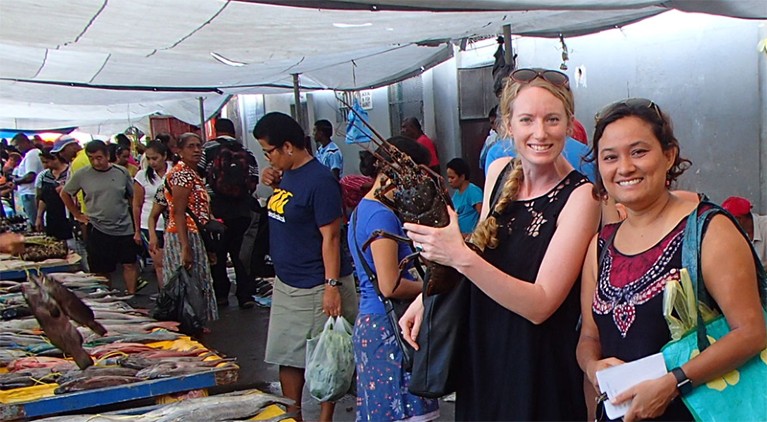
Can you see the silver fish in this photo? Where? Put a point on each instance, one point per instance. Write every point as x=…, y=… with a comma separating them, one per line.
x=216, y=408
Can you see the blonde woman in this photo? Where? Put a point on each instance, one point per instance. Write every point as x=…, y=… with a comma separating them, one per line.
x=523, y=306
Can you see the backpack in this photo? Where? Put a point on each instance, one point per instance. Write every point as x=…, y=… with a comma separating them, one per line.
x=229, y=172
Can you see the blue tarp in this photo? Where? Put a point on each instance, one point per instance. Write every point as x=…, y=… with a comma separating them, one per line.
x=9, y=133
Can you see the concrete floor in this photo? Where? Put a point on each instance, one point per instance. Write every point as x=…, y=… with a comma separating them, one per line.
x=241, y=333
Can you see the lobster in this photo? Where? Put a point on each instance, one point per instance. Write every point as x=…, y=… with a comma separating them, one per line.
x=419, y=195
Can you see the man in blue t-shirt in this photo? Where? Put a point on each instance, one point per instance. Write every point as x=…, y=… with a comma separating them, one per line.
x=314, y=279
x=574, y=152
x=327, y=151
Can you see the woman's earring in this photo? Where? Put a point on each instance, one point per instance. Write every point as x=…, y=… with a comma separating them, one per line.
x=290, y=153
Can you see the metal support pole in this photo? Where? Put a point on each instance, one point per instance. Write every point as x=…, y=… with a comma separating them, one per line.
x=202, y=119
x=297, y=100
x=507, y=43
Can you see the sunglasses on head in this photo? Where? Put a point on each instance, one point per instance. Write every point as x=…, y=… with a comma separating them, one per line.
x=553, y=77
x=631, y=104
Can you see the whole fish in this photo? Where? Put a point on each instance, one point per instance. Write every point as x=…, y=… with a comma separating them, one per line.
x=142, y=328
x=159, y=335
x=122, y=315
x=215, y=408
x=171, y=369
x=125, y=348
x=27, y=377
x=8, y=356
x=19, y=324
x=56, y=324
x=96, y=371
x=71, y=304
x=30, y=362
x=92, y=383
x=143, y=360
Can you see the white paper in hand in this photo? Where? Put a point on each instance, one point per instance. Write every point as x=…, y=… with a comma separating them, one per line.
x=617, y=379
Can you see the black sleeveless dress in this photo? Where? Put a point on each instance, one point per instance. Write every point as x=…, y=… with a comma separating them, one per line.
x=628, y=301
x=514, y=369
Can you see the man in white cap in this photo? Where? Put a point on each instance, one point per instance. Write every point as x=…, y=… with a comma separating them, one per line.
x=66, y=147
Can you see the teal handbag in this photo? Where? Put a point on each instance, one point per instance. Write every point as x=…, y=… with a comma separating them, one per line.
x=740, y=395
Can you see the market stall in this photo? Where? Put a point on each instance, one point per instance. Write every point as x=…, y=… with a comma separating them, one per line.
x=130, y=355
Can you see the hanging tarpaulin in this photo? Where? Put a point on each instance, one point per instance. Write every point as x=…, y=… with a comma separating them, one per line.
x=49, y=135
x=357, y=131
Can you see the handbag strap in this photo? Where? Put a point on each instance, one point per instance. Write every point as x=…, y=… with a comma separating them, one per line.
x=188, y=210
x=369, y=271
x=498, y=188
x=606, y=247
x=691, y=259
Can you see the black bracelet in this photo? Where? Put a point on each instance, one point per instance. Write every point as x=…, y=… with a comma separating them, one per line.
x=683, y=384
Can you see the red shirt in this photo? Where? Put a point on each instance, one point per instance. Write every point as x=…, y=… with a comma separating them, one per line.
x=429, y=144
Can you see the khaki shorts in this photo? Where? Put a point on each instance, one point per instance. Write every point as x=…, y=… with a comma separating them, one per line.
x=297, y=314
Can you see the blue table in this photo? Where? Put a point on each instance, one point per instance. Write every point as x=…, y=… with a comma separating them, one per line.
x=122, y=393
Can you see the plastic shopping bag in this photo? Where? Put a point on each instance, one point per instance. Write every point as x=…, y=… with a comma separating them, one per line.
x=181, y=300
x=330, y=361
x=356, y=130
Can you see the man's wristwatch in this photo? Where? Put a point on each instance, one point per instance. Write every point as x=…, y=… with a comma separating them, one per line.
x=683, y=384
x=332, y=282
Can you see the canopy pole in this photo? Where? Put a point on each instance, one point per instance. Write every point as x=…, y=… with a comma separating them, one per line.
x=202, y=119
x=297, y=100
x=507, y=54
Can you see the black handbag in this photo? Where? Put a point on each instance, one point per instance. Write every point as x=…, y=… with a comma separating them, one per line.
x=394, y=307
x=436, y=364
x=212, y=232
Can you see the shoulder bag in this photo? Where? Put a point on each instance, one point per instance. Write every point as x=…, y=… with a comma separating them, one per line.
x=212, y=232
x=394, y=307
x=742, y=393
x=436, y=364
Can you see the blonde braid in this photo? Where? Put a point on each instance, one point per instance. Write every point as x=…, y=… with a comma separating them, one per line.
x=485, y=235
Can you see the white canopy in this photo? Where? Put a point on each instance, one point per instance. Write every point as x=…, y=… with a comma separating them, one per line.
x=77, y=62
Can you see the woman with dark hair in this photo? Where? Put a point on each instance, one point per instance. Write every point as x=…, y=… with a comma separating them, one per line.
x=313, y=279
x=49, y=200
x=630, y=262
x=467, y=198
x=145, y=186
x=382, y=382
x=523, y=308
x=185, y=193
x=171, y=145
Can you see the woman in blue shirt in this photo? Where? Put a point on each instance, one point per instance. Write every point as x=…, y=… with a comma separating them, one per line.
x=467, y=199
x=382, y=383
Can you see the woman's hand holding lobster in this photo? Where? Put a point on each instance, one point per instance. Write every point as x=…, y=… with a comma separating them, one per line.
x=443, y=245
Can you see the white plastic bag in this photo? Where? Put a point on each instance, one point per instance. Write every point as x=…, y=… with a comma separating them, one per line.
x=330, y=361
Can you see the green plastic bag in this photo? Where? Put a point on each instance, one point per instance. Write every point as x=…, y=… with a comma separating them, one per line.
x=330, y=361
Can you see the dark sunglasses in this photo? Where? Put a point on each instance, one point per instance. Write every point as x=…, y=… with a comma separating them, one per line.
x=553, y=77
x=631, y=104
